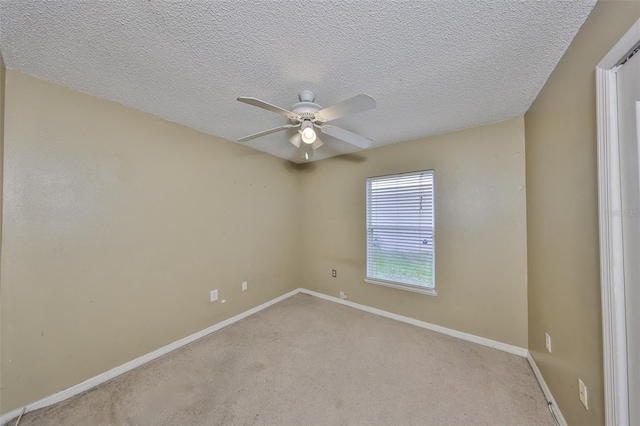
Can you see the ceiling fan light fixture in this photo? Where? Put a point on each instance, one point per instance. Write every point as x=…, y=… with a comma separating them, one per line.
x=307, y=132
x=306, y=151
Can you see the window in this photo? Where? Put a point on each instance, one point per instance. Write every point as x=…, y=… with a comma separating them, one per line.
x=400, y=231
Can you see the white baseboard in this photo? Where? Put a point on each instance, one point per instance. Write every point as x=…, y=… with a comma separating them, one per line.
x=114, y=372
x=516, y=350
x=546, y=390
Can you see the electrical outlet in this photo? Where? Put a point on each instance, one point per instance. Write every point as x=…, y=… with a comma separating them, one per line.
x=244, y=285
x=214, y=295
x=583, y=394
x=547, y=342
x=343, y=295
x=334, y=273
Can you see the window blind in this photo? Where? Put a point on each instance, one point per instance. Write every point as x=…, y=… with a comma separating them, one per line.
x=400, y=229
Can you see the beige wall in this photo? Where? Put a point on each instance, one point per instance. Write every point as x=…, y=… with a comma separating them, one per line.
x=480, y=229
x=563, y=259
x=116, y=226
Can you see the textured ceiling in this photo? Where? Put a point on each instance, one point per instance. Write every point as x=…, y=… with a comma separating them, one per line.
x=433, y=66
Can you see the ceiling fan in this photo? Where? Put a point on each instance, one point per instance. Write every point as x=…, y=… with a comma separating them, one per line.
x=307, y=116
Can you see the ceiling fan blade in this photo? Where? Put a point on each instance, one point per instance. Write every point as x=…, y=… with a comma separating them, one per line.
x=347, y=136
x=349, y=106
x=267, y=132
x=265, y=105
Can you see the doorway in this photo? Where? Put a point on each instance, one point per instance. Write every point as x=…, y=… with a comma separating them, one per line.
x=618, y=92
x=628, y=88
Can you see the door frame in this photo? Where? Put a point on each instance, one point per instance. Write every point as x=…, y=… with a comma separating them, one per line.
x=614, y=333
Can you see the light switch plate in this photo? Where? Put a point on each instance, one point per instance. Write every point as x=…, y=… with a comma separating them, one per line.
x=584, y=396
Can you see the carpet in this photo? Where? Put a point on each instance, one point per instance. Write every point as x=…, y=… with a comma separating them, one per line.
x=308, y=361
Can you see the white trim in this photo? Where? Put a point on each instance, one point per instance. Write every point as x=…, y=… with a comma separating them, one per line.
x=614, y=333
x=516, y=350
x=416, y=289
x=622, y=48
x=114, y=372
x=546, y=390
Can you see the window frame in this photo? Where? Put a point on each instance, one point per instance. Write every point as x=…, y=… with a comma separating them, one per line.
x=431, y=291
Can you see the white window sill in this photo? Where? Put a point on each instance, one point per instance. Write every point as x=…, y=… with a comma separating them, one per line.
x=408, y=287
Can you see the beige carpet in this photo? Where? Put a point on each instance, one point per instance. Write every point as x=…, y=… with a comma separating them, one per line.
x=307, y=361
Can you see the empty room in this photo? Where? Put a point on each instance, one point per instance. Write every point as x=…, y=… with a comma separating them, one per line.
x=319, y=212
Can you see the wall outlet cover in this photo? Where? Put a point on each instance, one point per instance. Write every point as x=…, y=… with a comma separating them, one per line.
x=214, y=295
x=244, y=285
x=547, y=342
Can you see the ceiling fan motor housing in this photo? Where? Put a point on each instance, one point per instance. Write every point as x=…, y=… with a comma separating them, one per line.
x=306, y=110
